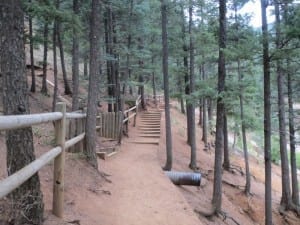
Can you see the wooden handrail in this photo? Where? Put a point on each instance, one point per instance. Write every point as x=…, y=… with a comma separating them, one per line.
x=20, y=121
x=75, y=115
x=129, y=110
x=15, y=180
x=12, y=182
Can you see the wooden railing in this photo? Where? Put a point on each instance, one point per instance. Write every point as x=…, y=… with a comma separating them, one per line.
x=58, y=153
x=132, y=113
x=59, y=118
x=156, y=98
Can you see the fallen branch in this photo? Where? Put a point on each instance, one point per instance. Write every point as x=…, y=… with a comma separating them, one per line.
x=241, y=187
x=225, y=216
x=236, y=168
x=74, y=222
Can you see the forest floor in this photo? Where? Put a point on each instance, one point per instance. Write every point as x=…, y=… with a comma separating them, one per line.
x=132, y=189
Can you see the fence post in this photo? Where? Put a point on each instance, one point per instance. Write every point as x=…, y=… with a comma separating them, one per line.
x=136, y=111
x=59, y=163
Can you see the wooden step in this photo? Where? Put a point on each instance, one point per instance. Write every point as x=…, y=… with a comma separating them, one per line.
x=150, y=132
x=149, y=126
x=154, y=142
x=149, y=129
x=105, y=155
x=149, y=135
x=149, y=120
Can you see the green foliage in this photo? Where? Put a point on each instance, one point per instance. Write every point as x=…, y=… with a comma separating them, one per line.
x=298, y=159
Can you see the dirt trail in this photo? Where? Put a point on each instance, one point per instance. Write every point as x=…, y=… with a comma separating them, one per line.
x=133, y=170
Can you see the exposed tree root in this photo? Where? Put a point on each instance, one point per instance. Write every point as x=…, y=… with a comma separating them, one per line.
x=74, y=222
x=208, y=214
x=104, y=176
x=235, y=168
x=241, y=187
x=213, y=212
x=226, y=216
x=291, y=207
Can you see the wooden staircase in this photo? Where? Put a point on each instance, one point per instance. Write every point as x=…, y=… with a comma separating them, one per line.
x=149, y=127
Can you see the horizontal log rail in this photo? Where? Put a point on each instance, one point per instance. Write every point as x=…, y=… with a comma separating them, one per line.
x=75, y=115
x=21, y=121
x=17, y=179
x=57, y=154
x=133, y=110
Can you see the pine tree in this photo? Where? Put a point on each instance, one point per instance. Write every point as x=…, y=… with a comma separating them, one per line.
x=27, y=200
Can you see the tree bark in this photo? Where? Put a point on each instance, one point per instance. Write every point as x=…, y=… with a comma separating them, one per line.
x=295, y=187
x=168, y=165
x=109, y=66
x=204, y=126
x=62, y=59
x=32, y=88
x=44, y=89
x=85, y=66
x=193, y=162
x=95, y=59
x=129, y=40
x=244, y=136
x=226, y=161
x=219, y=141
x=186, y=71
x=75, y=61
x=27, y=200
x=55, y=65
x=267, y=116
x=286, y=198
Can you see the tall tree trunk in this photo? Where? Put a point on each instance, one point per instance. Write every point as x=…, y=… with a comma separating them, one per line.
x=95, y=60
x=219, y=141
x=153, y=81
x=165, y=53
x=75, y=61
x=108, y=43
x=226, y=160
x=117, y=95
x=244, y=136
x=200, y=122
x=129, y=37
x=267, y=116
x=62, y=59
x=193, y=162
x=141, y=75
x=44, y=89
x=204, y=125
x=286, y=198
x=54, y=39
x=295, y=187
x=186, y=70
x=32, y=88
x=85, y=66
x=27, y=200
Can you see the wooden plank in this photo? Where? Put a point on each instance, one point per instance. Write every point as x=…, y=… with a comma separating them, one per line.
x=150, y=129
x=155, y=142
x=149, y=126
x=102, y=155
x=149, y=135
x=113, y=126
x=150, y=132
